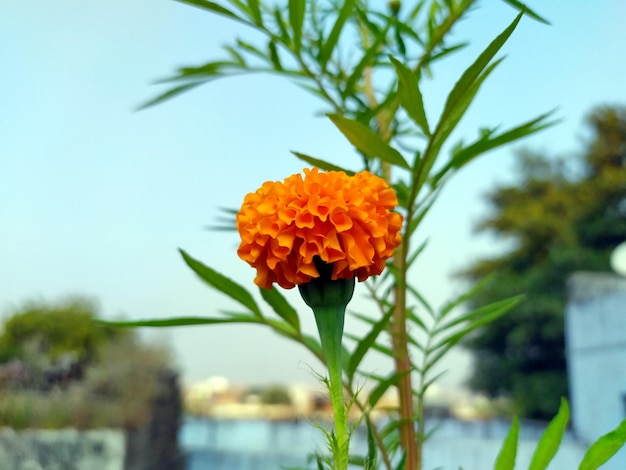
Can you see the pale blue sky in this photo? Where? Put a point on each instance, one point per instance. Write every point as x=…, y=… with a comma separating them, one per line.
x=95, y=199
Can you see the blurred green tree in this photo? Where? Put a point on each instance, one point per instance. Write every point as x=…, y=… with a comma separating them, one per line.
x=560, y=216
x=275, y=395
x=59, y=367
x=52, y=331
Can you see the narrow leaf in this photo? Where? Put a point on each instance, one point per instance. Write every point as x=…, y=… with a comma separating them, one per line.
x=383, y=385
x=448, y=122
x=422, y=300
x=367, y=141
x=410, y=95
x=468, y=153
x=251, y=49
x=214, y=8
x=416, y=253
x=369, y=57
x=508, y=452
x=222, y=284
x=271, y=46
x=278, y=16
x=524, y=8
x=280, y=305
x=372, y=453
x=461, y=299
x=365, y=344
x=400, y=465
x=297, y=9
x=499, y=307
x=473, y=71
x=321, y=164
x=170, y=94
x=487, y=315
x=326, y=51
x=604, y=448
x=179, y=321
x=550, y=439
x=255, y=12
x=281, y=327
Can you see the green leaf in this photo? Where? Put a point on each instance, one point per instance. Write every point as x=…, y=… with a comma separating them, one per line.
x=372, y=453
x=271, y=46
x=400, y=465
x=461, y=97
x=179, y=321
x=422, y=300
x=550, y=439
x=210, y=69
x=252, y=50
x=484, y=144
x=447, y=123
x=222, y=284
x=424, y=208
x=255, y=12
x=331, y=41
x=508, y=452
x=321, y=164
x=461, y=299
x=410, y=95
x=426, y=385
x=284, y=34
x=524, y=8
x=417, y=320
x=169, y=94
x=479, y=317
x=496, y=308
x=367, y=141
x=442, y=350
x=214, y=8
x=472, y=73
x=383, y=385
x=281, y=327
x=280, y=305
x=366, y=343
x=368, y=59
x=416, y=253
x=297, y=9
x=604, y=448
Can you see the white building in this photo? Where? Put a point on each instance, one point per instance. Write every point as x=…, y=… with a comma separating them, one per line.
x=595, y=332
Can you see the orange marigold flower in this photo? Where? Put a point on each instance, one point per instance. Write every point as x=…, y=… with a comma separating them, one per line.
x=345, y=220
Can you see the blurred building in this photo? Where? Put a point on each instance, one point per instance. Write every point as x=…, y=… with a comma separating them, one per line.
x=595, y=332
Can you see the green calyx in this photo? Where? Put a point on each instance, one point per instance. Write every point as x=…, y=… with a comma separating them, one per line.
x=325, y=293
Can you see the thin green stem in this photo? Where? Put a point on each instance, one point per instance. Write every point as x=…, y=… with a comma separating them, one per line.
x=330, y=326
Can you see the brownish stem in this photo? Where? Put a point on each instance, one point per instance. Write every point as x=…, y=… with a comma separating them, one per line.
x=398, y=332
x=403, y=367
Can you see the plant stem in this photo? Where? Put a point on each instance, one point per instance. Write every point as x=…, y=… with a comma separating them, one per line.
x=330, y=326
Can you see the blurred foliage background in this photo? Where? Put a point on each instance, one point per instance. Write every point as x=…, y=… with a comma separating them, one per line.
x=60, y=368
x=560, y=215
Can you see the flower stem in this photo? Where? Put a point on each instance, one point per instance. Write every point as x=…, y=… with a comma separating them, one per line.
x=330, y=326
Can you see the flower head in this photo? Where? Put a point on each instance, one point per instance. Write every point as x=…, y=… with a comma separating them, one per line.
x=346, y=221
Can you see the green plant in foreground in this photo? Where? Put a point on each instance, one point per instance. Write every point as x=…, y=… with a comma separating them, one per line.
x=382, y=114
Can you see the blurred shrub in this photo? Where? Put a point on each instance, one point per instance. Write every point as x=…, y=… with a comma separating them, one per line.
x=275, y=395
x=58, y=368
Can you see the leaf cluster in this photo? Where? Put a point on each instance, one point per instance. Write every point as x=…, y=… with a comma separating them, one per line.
x=597, y=455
